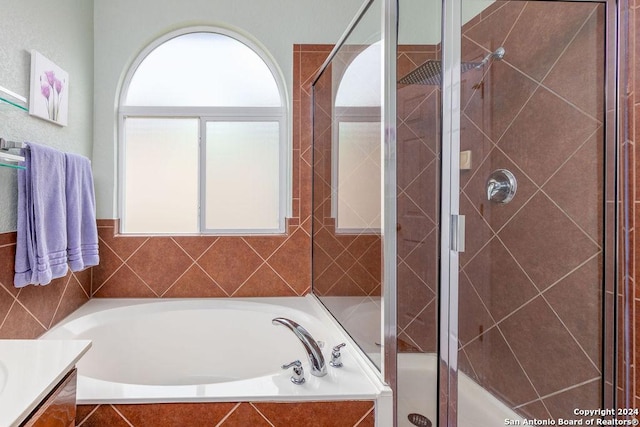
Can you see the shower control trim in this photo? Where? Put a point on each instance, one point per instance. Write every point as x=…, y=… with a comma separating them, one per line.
x=501, y=186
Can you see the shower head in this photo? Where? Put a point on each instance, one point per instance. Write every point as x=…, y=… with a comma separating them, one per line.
x=430, y=72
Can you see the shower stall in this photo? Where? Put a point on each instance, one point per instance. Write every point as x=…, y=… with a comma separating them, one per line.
x=466, y=206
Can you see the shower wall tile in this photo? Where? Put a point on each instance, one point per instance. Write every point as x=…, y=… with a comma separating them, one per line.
x=498, y=370
x=586, y=48
x=542, y=32
x=565, y=401
x=585, y=171
x=505, y=104
x=632, y=83
x=559, y=245
x=578, y=317
x=498, y=279
x=535, y=334
x=223, y=414
x=500, y=19
x=533, y=264
x=477, y=317
x=418, y=181
x=527, y=141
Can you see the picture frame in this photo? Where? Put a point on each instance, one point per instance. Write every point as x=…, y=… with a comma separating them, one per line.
x=49, y=90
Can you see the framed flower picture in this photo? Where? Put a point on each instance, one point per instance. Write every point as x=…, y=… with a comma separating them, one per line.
x=49, y=92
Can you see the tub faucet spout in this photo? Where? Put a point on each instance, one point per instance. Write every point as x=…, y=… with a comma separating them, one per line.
x=316, y=359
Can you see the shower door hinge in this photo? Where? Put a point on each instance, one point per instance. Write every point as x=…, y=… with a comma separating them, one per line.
x=457, y=233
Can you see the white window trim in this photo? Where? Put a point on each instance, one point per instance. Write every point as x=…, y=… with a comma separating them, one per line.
x=279, y=114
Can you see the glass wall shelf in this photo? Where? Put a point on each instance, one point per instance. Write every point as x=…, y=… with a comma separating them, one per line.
x=9, y=160
x=11, y=165
x=6, y=101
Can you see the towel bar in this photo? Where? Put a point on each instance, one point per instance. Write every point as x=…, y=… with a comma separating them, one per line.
x=8, y=145
x=8, y=157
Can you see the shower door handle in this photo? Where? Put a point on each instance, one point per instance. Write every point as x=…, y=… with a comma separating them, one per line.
x=457, y=233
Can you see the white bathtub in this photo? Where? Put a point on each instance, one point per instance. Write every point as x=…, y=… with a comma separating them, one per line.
x=208, y=350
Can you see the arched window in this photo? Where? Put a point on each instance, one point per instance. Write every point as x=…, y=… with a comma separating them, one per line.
x=203, y=138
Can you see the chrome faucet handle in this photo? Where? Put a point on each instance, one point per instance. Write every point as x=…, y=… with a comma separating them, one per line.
x=336, y=357
x=298, y=372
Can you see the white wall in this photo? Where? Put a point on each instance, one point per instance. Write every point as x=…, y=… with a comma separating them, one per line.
x=124, y=27
x=61, y=30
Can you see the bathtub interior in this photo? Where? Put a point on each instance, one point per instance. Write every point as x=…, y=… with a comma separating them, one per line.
x=183, y=345
x=196, y=350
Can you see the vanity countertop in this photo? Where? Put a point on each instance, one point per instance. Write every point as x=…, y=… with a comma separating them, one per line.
x=30, y=370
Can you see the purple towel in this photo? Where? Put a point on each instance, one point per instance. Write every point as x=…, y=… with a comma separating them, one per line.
x=82, y=231
x=41, y=248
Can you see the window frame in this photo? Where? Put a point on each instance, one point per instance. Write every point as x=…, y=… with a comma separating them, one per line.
x=208, y=114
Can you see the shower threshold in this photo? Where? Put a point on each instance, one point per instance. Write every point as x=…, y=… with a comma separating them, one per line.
x=418, y=395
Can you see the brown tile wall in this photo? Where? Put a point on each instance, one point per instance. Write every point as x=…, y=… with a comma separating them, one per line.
x=418, y=151
x=530, y=277
x=201, y=266
x=343, y=265
x=267, y=414
x=30, y=311
x=632, y=133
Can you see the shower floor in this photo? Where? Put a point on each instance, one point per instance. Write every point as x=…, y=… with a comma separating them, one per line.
x=417, y=394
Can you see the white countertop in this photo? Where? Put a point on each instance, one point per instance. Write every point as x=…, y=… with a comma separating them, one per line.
x=29, y=370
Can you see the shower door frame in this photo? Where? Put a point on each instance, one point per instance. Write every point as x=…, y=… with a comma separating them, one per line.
x=450, y=208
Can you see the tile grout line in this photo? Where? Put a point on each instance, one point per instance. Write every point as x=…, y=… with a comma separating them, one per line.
x=6, y=316
x=364, y=416
x=524, y=371
x=88, y=415
x=221, y=422
x=535, y=296
x=66, y=286
x=555, y=393
x=113, y=406
x=261, y=414
x=29, y=311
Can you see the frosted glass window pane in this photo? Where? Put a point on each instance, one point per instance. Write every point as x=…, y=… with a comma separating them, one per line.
x=242, y=177
x=361, y=83
x=203, y=69
x=359, y=174
x=161, y=176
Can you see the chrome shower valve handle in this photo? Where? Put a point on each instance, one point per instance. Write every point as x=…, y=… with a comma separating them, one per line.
x=336, y=357
x=298, y=372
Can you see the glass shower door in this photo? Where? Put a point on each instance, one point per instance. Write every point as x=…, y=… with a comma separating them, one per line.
x=532, y=191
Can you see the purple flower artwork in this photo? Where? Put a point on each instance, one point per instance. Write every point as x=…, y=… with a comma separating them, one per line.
x=50, y=89
x=49, y=98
